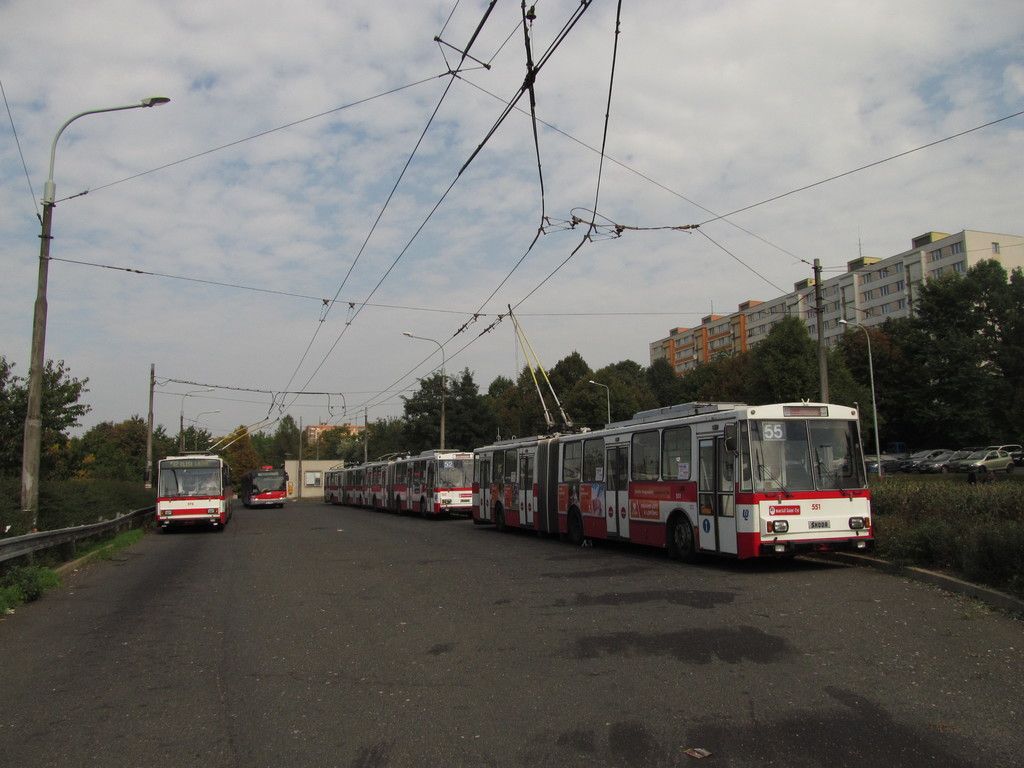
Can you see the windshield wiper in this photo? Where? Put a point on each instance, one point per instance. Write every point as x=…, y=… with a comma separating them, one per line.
x=766, y=473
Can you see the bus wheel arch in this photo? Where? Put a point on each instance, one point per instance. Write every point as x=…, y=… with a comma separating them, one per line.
x=679, y=537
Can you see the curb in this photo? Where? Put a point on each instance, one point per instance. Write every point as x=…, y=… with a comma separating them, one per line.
x=992, y=597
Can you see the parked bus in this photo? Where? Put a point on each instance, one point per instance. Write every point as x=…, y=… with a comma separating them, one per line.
x=264, y=487
x=434, y=483
x=724, y=478
x=193, y=490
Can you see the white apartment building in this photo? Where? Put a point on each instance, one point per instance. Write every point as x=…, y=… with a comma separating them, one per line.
x=870, y=291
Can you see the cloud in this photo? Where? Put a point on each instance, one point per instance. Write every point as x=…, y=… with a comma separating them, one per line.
x=717, y=106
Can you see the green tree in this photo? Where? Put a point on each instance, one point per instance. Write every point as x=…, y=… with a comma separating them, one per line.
x=239, y=454
x=112, y=451
x=60, y=410
x=784, y=366
x=664, y=384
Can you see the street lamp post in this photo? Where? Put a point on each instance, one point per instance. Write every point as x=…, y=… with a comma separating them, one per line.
x=196, y=420
x=444, y=383
x=608, y=396
x=871, y=376
x=181, y=416
x=33, y=417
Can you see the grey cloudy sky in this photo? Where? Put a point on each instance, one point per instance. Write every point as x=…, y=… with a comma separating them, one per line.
x=715, y=106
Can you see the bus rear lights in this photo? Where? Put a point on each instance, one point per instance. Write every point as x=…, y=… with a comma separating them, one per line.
x=858, y=523
x=778, y=526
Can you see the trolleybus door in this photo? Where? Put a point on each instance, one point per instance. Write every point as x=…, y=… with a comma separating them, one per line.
x=527, y=482
x=483, y=470
x=716, y=517
x=616, y=501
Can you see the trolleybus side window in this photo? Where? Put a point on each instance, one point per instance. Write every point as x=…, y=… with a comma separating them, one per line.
x=510, y=466
x=675, y=453
x=646, y=458
x=593, y=461
x=572, y=461
x=498, y=467
x=746, y=477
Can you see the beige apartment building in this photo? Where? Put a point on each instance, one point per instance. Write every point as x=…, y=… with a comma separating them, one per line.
x=870, y=291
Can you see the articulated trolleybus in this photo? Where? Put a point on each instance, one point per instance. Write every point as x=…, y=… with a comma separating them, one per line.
x=264, y=487
x=193, y=490
x=723, y=478
x=434, y=483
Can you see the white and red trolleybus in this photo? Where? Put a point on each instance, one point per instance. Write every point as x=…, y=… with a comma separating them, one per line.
x=434, y=483
x=725, y=478
x=193, y=490
x=264, y=487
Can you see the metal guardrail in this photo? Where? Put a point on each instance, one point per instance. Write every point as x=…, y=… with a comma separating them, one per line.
x=19, y=546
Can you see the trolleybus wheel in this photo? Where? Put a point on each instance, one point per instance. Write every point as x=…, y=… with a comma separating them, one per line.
x=680, y=538
x=576, y=528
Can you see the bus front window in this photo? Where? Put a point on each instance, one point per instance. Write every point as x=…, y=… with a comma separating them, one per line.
x=805, y=455
x=454, y=473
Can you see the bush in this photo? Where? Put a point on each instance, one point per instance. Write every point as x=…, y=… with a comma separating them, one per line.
x=976, y=530
x=67, y=503
x=23, y=584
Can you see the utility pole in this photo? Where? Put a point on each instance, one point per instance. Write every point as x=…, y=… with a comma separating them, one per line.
x=366, y=435
x=820, y=323
x=298, y=488
x=149, y=431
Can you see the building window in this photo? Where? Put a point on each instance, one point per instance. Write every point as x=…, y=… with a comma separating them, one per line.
x=935, y=255
x=956, y=248
x=960, y=267
x=995, y=248
x=313, y=479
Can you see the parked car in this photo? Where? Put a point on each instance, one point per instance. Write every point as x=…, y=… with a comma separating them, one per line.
x=912, y=463
x=937, y=463
x=986, y=461
x=948, y=464
x=1015, y=451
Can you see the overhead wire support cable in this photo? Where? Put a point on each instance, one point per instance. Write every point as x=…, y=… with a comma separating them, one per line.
x=584, y=4
x=17, y=142
x=864, y=167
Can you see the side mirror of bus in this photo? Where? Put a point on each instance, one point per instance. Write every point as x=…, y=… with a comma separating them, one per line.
x=730, y=437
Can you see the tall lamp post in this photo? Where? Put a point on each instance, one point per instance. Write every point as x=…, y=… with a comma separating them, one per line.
x=607, y=394
x=444, y=384
x=33, y=418
x=181, y=417
x=196, y=420
x=871, y=376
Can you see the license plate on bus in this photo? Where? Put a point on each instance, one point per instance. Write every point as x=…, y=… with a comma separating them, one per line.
x=818, y=524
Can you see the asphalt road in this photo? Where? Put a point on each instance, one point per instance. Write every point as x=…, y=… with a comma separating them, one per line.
x=330, y=636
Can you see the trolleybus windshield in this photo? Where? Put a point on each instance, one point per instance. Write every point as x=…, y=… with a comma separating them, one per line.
x=805, y=455
x=267, y=480
x=454, y=473
x=190, y=477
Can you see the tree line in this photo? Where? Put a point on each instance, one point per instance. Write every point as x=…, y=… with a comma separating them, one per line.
x=950, y=375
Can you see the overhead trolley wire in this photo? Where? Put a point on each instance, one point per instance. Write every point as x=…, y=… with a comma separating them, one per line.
x=567, y=27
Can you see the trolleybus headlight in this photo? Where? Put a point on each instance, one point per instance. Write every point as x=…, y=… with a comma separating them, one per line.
x=778, y=526
x=212, y=511
x=857, y=523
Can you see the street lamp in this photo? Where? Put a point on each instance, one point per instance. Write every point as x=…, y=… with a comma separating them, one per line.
x=181, y=417
x=871, y=376
x=608, y=396
x=196, y=420
x=33, y=418
x=444, y=386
